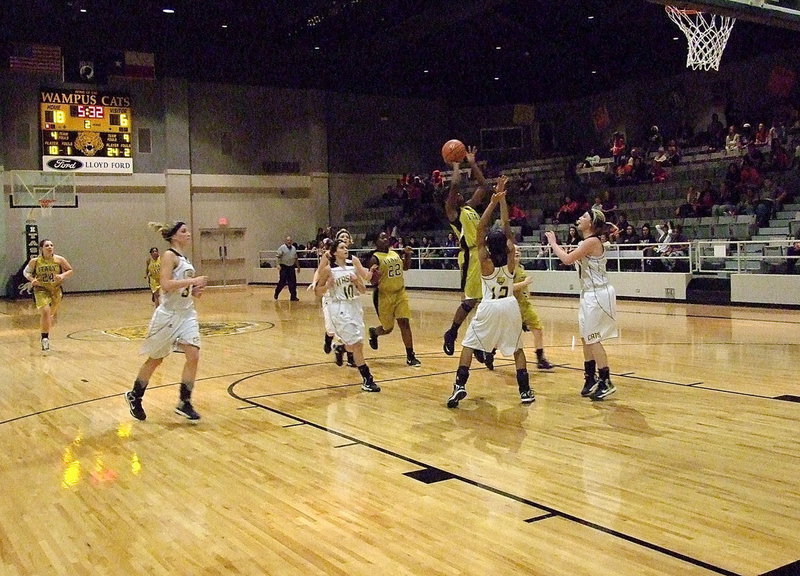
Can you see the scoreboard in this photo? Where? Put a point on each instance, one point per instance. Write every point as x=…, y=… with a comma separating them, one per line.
x=85, y=131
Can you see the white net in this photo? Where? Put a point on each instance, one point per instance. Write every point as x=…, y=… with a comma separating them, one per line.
x=707, y=35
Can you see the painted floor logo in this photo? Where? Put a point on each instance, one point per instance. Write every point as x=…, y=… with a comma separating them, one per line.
x=206, y=329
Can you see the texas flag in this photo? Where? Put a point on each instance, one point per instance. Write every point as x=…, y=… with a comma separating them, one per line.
x=132, y=64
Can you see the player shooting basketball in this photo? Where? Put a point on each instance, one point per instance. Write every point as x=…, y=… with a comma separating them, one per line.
x=463, y=217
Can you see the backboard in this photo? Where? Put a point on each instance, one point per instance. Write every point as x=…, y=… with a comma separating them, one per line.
x=780, y=13
x=29, y=187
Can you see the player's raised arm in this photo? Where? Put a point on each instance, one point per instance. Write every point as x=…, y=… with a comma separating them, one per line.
x=483, y=186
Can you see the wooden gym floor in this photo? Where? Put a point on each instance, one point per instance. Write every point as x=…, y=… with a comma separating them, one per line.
x=692, y=468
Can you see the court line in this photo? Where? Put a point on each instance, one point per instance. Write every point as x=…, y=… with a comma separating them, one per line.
x=554, y=512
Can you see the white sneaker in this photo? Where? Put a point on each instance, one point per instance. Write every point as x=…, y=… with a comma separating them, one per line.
x=45, y=344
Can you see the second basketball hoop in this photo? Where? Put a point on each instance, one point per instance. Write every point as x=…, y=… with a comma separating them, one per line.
x=707, y=35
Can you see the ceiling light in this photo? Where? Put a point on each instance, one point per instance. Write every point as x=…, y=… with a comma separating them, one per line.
x=83, y=10
x=168, y=11
x=591, y=18
x=224, y=25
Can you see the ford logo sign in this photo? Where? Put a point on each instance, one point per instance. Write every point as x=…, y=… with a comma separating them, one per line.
x=65, y=164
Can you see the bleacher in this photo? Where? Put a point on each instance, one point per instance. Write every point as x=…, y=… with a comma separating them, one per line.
x=647, y=202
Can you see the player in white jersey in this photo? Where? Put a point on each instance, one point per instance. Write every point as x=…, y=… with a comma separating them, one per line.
x=339, y=277
x=338, y=349
x=497, y=322
x=174, y=323
x=597, y=314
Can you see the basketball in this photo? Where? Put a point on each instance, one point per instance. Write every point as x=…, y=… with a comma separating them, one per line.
x=454, y=151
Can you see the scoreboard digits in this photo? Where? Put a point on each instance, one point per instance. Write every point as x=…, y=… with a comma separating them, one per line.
x=85, y=131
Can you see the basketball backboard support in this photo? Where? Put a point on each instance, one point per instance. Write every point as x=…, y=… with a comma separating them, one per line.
x=779, y=13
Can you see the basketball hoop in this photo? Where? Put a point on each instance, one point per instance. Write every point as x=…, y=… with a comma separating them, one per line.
x=707, y=35
x=46, y=207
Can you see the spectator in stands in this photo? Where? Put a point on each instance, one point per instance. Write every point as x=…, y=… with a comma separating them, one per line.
x=571, y=242
x=689, y=208
x=654, y=141
x=572, y=238
x=777, y=132
x=673, y=153
x=732, y=140
x=568, y=211
x=451, y=251
x=733, y=176
x=628, y=240
x=665, y=232
x=708, y=197
x=593, y=159
x=750, y=176
x=623, y=172
x=677, y=249
x=428, y=257
x=526, y=187
x=517, y=216
x=610, y=206
x=641, y=168
x=716, y=132
x=646, y=237
x=617, y=147
x=685, y=134
x=727, y=201
x=776, y=195
x=543, y=256
x=792, y=253
x=745, y=135
x=779, y=157
x=657, y=172
x=761, y=137
x=622, y=221
x=754, y=156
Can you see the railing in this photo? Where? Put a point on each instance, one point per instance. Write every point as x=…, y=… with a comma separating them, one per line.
x=698, y=256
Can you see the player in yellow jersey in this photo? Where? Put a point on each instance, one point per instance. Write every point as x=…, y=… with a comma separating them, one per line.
x=46, y=272
x=464, y=218
x=530, y=318
x=152, y=273
x=389, y=297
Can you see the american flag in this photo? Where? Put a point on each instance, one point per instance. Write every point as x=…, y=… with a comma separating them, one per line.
x=35, y=58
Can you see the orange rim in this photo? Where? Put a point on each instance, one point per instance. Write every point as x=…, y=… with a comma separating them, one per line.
x=680, y=11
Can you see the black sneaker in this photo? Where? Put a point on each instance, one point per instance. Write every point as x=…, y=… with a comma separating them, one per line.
x=351, y=361
x=589, y=387
x=413, y=362
x=327, y=346
x=489, y=360
x=527, y=396
x=604, y=389
x=185, y=409
x=369, y=385
x=373, y=338
x=338, y=354
x=449, y=345
x=459, y=393
x=543, y=364
x=135, y=406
